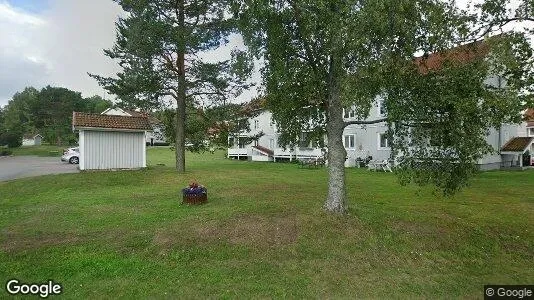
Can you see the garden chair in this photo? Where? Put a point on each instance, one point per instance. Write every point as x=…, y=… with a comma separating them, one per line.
x=386, y=166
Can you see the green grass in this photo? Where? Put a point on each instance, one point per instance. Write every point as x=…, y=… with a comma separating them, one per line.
x=42, y=150
x=263, y=233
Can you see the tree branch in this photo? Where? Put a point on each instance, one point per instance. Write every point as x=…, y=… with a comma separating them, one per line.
x=359, y=122
x=499, y=24
x=309, y=54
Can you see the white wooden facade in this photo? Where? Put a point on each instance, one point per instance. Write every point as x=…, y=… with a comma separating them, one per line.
x=363, y=141
x=105, y=150
x=32, y=140
x=263, y=123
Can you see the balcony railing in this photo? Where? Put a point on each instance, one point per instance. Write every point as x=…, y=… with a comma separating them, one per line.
x=308, y=152
x=237, y=152
x=281, y=152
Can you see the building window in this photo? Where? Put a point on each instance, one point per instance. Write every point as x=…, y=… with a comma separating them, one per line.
x=382, y=109
x=271, y=144
x=231, y=142
x=242, y=143
x=256, y=124
x=304, y=141
x=531, y=132
x=383, y=141
x=349, y=141
x=349, y=113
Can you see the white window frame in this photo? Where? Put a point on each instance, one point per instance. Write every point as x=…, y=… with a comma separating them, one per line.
x=239, y=144
x=256, y=124
x=380, y=106
x=353, y=141
x=380, y=139
x=349, y=114
x=530, y=131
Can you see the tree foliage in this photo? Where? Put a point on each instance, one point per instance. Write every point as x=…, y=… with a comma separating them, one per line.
x=159, y=47
x=49, y=112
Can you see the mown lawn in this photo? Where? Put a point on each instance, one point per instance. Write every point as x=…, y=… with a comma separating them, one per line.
x=263, y=233
x=42, y=150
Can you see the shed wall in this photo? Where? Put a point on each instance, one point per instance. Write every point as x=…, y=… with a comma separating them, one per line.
x=101, y=150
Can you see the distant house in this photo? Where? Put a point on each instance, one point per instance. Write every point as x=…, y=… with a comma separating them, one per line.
x=152, y=138
x=111, y=141
x=266, y=147
x=32, y=140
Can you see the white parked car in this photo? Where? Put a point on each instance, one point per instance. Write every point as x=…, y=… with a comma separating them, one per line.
x=71, y=155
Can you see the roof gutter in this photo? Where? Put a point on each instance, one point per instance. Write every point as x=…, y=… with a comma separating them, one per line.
x=109, y=129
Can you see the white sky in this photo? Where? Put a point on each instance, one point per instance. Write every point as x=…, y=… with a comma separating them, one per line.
x=57, y=42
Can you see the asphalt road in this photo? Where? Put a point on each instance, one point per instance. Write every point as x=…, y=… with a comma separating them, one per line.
x=13, y=167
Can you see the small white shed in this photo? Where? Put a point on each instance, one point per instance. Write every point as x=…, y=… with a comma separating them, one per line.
x=32, y=140
x=111, y=142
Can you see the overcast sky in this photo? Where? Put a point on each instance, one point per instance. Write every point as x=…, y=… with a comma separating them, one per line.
x=56, y=42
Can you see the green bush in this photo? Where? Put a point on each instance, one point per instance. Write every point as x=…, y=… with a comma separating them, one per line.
x=11, y=139
x=5, y=152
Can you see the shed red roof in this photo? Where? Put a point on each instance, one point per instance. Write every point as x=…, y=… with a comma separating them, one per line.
x=517, y=144
x=113, y=122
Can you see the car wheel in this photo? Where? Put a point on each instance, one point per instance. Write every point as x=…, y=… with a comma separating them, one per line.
x=74, y=160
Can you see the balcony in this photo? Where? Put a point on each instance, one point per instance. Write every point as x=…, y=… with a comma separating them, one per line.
x=235, y=152
x=284, y=153
x=308, y=152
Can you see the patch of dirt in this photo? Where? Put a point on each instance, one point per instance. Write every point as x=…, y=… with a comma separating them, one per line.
x=15, y=241
x=249, y=230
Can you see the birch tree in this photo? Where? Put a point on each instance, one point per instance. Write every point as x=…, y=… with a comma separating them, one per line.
x=325, y=55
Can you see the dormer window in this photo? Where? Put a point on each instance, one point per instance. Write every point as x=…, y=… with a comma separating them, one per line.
x=382, y=109
x=349, y=113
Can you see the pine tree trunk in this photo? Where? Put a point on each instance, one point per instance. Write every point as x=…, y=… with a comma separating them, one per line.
x=336, y=199
x=181, y=94
x=180, y=134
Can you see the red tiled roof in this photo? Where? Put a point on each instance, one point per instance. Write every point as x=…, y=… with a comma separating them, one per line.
x=529, y=117
x=459, y=55
x=517, y=144
x=254, y=105
x=107, y=121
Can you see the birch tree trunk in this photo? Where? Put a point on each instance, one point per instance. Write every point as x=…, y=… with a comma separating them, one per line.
x=336, y=199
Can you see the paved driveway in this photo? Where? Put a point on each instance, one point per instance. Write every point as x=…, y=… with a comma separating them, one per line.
x=27, y=166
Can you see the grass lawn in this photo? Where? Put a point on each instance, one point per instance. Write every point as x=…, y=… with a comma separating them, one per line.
x=263, y=233
x=42, y=150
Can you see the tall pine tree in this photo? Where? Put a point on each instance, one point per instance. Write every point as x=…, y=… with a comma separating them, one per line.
x=159, y=47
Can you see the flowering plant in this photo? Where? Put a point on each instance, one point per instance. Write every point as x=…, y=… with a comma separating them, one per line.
x=194, y=189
